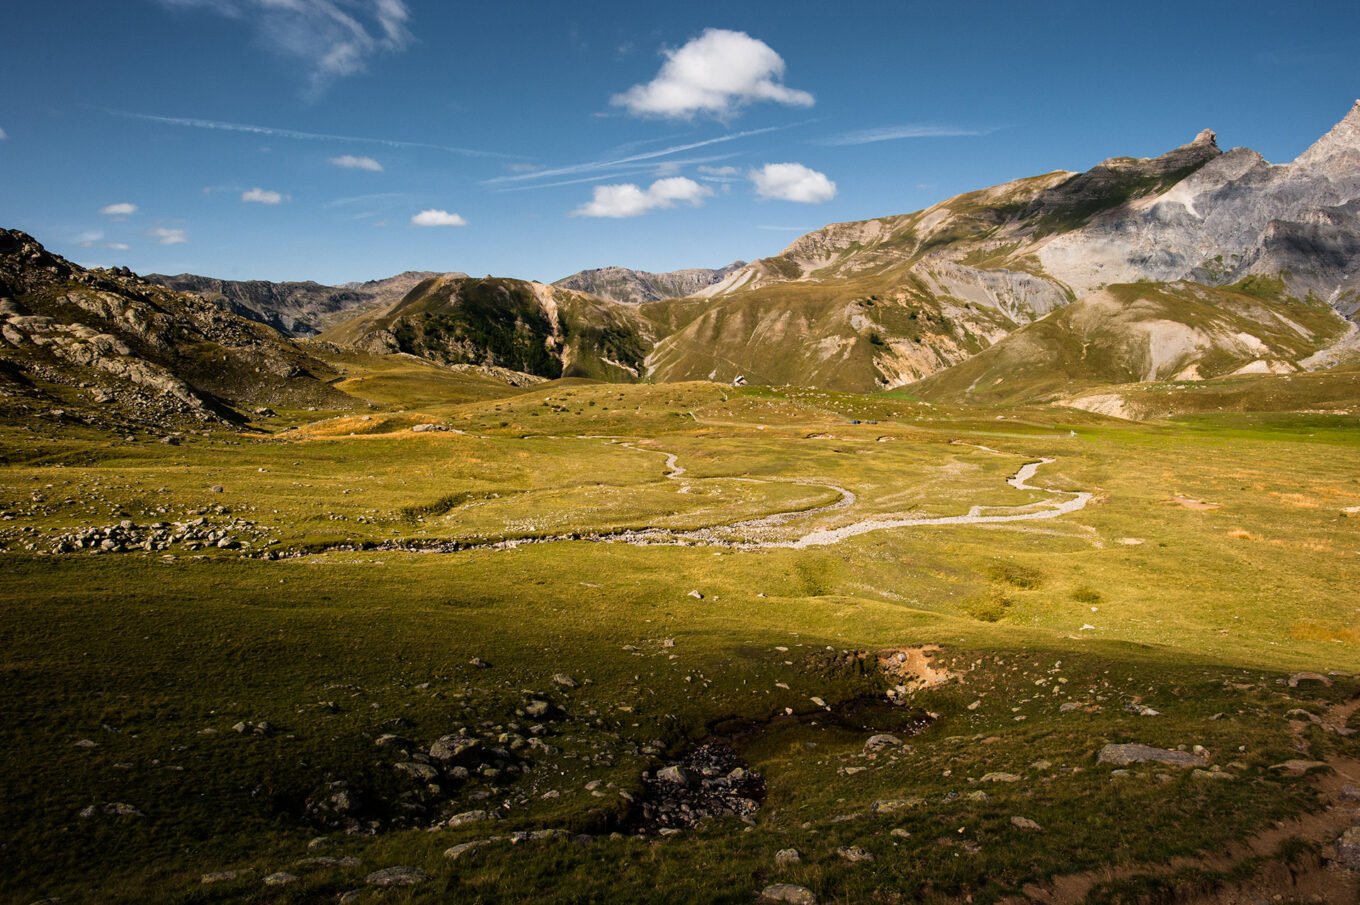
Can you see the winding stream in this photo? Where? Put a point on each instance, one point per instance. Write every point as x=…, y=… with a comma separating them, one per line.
x=745, y=535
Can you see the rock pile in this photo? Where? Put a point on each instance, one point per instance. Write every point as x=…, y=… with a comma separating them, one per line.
x=195, y=534
x=709, y=781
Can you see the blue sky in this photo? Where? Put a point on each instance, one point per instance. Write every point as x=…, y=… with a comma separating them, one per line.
x=534, y=139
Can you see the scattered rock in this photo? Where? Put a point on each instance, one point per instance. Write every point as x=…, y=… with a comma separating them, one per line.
x=400, y=875
x=564, y=680
x=786, y=857
x=696, y=595
x=111, y=809
x=467, y=817
x=1024, y=823
x=673, y=774
x=1000, y=777
x=787, y=894
x=854, y=854
x=1298, y=677
x=281, y=878
x=467, y=848
x=221, y=876
x=1122, y=755
x=1348, y=849
x=881, y=742
x=1300, y=767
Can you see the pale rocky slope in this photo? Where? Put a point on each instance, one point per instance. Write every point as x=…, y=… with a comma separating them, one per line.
x=620, y=284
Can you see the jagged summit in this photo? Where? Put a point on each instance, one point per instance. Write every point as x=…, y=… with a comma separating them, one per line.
x=1341, y=141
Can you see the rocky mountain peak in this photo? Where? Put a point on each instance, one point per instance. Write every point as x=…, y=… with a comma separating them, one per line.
x=1343, y=139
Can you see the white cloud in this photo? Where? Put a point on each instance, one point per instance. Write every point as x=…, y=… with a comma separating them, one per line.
x=4, y=136
x=91, y=238
x=792, y=182
x=894, y=133
x=261, y=196
x=720, y=171
x=121, y=209
x=630, y=200
x=118, y=246
x=351, y=162
x=169, y=236
x=332, y=38
x=716, y=73
x=435, y=217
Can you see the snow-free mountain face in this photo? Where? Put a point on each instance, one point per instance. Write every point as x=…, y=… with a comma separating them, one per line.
x=295, y=309
x=620, y=284
x=890, y=301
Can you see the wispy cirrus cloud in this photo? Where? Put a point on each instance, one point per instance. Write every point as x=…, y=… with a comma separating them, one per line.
x=330, y=38
x=598, y=167
x=168, y=236
x=897, y=133
x=189, y=122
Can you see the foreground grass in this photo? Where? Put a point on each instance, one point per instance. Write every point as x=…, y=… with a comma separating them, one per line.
x=1240, y=574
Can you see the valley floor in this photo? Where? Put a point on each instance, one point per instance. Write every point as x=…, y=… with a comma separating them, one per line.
x=270, y=667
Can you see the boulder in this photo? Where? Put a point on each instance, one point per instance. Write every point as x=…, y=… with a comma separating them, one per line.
x=1348, y=849
x=400, y=875
x=1123, y=755
x=854, y=854
x=881, y=742
x=1299, y=677
x=787, y=894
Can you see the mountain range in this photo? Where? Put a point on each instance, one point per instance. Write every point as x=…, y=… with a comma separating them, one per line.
x=1191, y=266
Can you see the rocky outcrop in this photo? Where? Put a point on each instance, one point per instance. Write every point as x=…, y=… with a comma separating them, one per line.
x=113, y=348
x=1236, y=214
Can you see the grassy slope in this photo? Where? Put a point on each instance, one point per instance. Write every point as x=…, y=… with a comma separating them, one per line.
x=206, y=641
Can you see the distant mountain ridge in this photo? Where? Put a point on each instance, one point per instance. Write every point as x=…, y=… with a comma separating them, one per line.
x=620, y=284
x=294, y=308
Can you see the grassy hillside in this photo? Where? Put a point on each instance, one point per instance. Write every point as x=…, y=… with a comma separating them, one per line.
x=502, y=323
